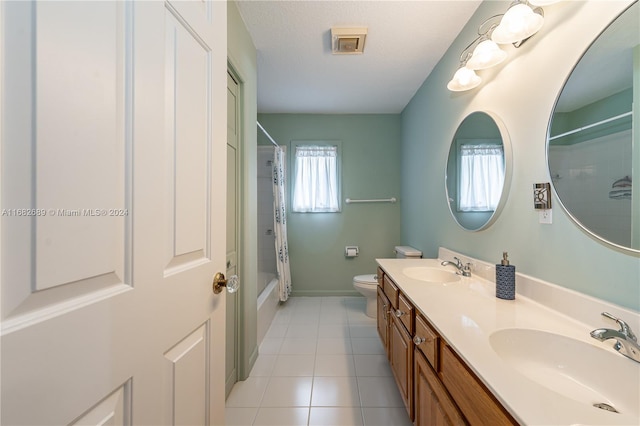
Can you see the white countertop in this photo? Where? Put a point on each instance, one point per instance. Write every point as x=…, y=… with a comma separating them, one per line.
x=467, y=312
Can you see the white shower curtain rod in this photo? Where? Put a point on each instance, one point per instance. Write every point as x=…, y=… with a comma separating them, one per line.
x=267, y=134
x=579, y=129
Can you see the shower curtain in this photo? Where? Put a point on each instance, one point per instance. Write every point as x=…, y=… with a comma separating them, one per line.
x=280, y=223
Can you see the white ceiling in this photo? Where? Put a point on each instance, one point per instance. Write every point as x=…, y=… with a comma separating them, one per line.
x=298, y=74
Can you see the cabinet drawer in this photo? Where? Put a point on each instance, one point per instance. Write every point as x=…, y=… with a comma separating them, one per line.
x=428, y=341
x=380, y=277
x=406, y=313
x=391, y=290
x=477, y=404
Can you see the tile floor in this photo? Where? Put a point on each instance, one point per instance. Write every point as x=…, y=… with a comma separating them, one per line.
x=321, y=363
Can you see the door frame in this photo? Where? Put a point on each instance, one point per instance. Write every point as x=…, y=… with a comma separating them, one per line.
x=243, y=358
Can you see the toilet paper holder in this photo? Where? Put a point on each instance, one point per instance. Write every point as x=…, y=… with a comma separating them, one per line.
x=351, y=251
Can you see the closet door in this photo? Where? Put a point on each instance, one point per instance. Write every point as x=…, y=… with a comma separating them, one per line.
x=113, y=212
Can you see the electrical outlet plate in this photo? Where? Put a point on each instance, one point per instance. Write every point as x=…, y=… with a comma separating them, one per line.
x=545, y=216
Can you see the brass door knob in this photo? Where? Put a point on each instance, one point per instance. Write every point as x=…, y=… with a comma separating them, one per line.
x=232, y=284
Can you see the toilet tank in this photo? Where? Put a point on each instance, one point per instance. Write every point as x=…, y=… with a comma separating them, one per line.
x=406, y=252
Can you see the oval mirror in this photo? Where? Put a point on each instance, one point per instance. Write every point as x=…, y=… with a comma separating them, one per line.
x=478, y=173
x=591, y=145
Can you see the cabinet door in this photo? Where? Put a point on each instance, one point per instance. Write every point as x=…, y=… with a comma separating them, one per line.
x=383, y=319
x=401, y=358
x=476, y=402
x=433, y=405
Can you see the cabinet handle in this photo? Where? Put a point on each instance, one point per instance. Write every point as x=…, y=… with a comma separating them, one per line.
x=418, y=340
x=399, y=313
x=384, y=311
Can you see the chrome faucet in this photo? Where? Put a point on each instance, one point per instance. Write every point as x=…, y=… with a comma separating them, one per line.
x=626, y=341
x=464, y=270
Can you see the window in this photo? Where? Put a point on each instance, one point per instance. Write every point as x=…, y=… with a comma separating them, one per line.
x=481, y=177
x=315, y=180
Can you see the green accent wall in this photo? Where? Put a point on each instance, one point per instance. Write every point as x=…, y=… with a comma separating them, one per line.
x=522, y=92
x=370, y=169
x=242, y=59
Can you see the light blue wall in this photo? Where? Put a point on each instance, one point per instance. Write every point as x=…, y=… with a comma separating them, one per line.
x=522, y=91
x=370, y=169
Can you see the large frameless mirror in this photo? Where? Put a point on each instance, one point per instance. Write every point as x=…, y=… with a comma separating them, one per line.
x=593, y=150
x=478, y=173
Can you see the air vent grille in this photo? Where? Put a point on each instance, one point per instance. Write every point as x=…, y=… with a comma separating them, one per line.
x=348, y=41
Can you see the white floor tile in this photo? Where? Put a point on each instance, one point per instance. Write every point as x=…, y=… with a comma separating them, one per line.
x=302, y=329
x=334, y=346
x=270, y=345
x=363, y=330
x=288, y=392
x=294, y=365
x=248, y=393
x=390, y=416
x=277, y=330
x=334, y=365
x=333, y=330
x=321, y=363
x=239, y=416
x=335, y=416
x=367, y=345
x=280, y=416
x=263, y=365
x=298, y=346
x=333, y=316
x=335, y=392
x=379, y=392
x=372, y=365
x=282, y=317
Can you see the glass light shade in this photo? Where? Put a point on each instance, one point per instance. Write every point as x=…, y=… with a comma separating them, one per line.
x=485, y=55
x=543, y=2
x=518, y=23
x=464, y=79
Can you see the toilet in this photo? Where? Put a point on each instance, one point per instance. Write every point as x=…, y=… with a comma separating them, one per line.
x=367, y=284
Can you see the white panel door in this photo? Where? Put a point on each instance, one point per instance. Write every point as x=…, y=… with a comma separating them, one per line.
x=113, y=132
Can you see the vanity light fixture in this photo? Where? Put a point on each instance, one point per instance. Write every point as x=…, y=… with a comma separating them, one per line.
x=515, y=26
x=519, y=23
x=543, y=2
x=485, y=54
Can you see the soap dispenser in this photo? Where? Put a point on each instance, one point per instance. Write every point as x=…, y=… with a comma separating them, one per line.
x=505, y=279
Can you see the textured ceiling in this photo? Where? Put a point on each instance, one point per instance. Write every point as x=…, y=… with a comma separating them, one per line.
x=298, y=74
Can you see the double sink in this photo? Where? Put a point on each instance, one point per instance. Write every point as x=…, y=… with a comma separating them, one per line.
x=589, y=374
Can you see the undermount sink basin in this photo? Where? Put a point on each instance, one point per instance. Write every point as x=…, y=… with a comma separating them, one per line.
x=575, y=369
x=431, y=275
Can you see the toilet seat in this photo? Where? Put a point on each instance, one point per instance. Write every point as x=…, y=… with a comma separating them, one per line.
x=368, y=279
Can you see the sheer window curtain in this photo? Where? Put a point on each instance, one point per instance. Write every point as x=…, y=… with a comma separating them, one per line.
x=280, y=223
x=481, y=177
x=316, y=182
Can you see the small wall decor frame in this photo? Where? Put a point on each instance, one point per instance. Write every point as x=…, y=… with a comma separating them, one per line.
x=542, y=196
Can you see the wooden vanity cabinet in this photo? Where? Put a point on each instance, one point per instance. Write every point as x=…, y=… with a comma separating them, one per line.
x=433, y=404
x=474, y=399
x=437, y=387
x=401, y=360
x=384, y=310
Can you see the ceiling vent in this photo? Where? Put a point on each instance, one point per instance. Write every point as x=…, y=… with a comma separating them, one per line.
x=348, y=41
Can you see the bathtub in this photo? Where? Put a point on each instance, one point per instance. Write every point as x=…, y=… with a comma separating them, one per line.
x=268, y=300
